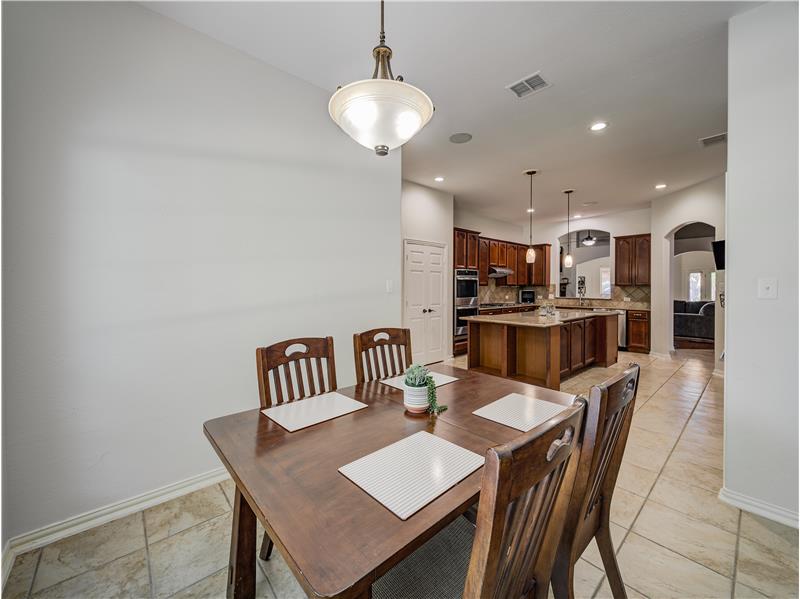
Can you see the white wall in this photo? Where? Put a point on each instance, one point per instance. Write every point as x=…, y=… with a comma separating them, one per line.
x=704, y=202
x=689, y=262
x=761, y=397
x=591, y=271
x=427, y=215
x=169, y=204
x=489, y=227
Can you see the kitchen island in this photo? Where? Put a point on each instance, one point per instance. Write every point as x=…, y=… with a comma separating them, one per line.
x=541, y=349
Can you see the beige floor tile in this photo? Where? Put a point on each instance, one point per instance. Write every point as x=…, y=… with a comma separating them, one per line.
x=585, y=582
x=216, y=585
x=766, y=569
x=592, y=554
x=643, y=456
x=229, y=488
x=744, y=592
x=701, y=542
x=680, y=469
x=696, y=503
x=20, y=579
x=604, y=592
x=624, y=507
x=769, y=533
x=636, y=479
x=125, y=577
x=281, y=579
x=659, y=420
x=184, y=512
x=189, y=556
x=658, y=572
x=703, y=454
x=89, y=550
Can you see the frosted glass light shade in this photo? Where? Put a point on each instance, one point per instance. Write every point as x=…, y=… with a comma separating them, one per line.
x=530, y=256
x=380, y=114
x=568, y=261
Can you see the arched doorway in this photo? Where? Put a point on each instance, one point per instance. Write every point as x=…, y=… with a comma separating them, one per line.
x=693, y=286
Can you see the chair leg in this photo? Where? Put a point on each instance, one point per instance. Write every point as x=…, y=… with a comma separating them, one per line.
x=606, y=547
x=266, y=547
x=562, y=578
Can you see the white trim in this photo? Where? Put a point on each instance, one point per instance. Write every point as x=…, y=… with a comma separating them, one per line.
x=661, y=356
x=759, y=507
x=60, y=530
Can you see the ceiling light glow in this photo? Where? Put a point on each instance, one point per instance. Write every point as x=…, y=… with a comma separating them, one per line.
x=438, y=179
x=599, y=126
x=661, y=186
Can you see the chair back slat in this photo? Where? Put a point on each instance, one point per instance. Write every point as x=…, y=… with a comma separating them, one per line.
x=608, y=418
x=525, y=491
x=281, y=377
x=381, y=353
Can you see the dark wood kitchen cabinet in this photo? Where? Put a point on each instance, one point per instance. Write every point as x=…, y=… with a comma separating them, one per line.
x=483, y=261
x=541, y=267
x=566, y=340
x=589, y=341
x=632, y=260
x=638, y=331
x=494, y=252
x=465, y=248
x=502, y=253
x=576, y=344
x=511, y=262
x=523, y=268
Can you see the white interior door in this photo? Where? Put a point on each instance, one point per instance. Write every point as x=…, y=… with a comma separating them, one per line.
x=425, y=304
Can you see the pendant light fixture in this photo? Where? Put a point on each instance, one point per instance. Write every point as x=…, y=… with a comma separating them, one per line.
x=568, y=257
x=384, y=112
x=589, y=240
x=530, y=255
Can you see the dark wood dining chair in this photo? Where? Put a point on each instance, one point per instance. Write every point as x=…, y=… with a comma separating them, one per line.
x=608, y=420
x=292, y=370
x=525, y=490
x=385, y=352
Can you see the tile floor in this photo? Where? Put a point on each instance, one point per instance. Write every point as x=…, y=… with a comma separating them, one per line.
x=674, y=538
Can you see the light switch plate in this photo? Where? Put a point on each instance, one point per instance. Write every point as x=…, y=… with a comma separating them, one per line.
x=626, y=299
x=767, y=288
x=389, y=285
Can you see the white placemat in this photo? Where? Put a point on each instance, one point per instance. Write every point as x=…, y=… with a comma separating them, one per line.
x=407, y=475
x=438, y=379
x=520, y=411
x=306, y=412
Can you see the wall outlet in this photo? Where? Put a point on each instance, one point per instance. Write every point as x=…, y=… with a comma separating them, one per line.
x=626, y=299
x=767, y=288
x=551, y=296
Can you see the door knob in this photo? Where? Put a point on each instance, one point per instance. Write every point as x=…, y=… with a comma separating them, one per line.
x=431, y=310
x=424, y=311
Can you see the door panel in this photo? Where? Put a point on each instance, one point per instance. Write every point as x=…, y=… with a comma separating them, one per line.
x=460, y=249
x=623, y=261
x=483, y=262
x=576, y=344
x=494, y=250
x=511, y=260
x=472, y=250
x=642, y=269
x=566, y=341
x=589, y=341
x=425, y=302
x=522, y=267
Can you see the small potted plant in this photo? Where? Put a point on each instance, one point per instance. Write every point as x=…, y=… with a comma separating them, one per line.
x=420, y=391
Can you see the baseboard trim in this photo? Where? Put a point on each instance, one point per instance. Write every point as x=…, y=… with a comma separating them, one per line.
x=759, y=507
x=660, y=356
x=60, y=530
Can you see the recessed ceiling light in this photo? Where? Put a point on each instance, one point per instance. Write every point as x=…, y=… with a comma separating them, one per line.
x=531, y=210
x=577, y=216
x=661, y=186
x=599, y=126
x=438, y=179
x=460, y=138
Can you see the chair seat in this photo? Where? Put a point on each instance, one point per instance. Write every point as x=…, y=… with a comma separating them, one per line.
x=437, y=570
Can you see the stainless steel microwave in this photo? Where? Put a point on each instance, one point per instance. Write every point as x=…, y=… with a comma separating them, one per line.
x=527, y=296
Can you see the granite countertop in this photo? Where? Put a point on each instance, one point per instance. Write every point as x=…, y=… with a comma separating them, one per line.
x=499, y=306
x=529, y=319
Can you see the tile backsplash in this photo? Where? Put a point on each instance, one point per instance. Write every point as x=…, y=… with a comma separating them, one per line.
x=640, y=296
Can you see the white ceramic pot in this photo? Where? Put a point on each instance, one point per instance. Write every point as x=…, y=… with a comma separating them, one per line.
x=415, y=399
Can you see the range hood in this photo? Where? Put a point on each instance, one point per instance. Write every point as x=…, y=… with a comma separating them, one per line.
x=498, y=272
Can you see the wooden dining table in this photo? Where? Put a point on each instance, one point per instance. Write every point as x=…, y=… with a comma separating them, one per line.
x=336, y=538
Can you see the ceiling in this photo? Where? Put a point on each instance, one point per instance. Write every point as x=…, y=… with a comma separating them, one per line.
x=655, y=71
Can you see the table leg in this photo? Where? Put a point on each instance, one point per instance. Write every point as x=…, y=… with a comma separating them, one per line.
x=242, y=564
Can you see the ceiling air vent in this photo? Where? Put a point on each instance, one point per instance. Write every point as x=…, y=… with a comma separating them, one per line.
x=719, y=138
x=529, y=85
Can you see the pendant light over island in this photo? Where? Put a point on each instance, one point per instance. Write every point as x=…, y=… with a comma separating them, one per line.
x=530, y=255
x=568, y=258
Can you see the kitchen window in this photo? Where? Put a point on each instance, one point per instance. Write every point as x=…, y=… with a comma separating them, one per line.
x=695, y=286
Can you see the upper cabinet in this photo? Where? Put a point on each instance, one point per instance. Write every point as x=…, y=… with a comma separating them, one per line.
x=465, y=248
x=511, y=262
x=632, y=260
x=541, y=267
x=483, y=261
x=494, y=252
x=523, y=268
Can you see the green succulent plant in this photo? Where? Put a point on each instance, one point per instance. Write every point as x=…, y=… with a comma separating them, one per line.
x=419, y=376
